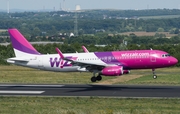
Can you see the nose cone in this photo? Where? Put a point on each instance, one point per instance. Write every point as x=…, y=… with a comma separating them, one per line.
x=173, y=61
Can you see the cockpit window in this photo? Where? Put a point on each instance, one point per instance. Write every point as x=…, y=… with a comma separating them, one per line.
x=166, y=55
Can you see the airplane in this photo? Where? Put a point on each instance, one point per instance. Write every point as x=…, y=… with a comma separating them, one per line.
x=115, y=63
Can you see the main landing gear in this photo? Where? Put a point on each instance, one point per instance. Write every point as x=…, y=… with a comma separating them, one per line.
x=98, y=78
x=154, y=74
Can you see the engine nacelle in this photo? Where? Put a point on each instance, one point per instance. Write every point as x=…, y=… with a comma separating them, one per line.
x=82, y=69
x=112, y=71
x=126, y=71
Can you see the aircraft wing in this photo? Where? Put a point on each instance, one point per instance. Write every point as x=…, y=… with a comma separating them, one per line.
x=85, y=50
x=89, y=66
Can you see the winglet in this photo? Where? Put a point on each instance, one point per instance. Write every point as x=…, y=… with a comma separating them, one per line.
x=60, y=53
x=85, y=50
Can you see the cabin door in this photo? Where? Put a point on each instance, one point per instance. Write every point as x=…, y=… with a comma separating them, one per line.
x=153, y=57
x=40, y=62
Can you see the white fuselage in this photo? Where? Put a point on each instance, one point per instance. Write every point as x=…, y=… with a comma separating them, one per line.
x=53, y=62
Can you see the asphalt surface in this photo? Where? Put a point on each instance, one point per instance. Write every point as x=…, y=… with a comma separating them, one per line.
x=132, y=91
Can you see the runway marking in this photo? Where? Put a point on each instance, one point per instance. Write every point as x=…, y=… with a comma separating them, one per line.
x=9, y=85
x=22, y=92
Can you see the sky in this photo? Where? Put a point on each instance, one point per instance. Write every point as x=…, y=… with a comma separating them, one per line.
x=90, y=4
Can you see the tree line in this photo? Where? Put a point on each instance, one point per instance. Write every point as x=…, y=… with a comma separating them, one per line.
x=89, y=22
x=86, y=26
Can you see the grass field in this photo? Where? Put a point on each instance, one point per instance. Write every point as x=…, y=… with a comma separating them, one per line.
x=143, y=33
x=90, y=105
x=17, y=74
x=160, y=17
x=3, y=30
x=87, y=105
x=166, y=76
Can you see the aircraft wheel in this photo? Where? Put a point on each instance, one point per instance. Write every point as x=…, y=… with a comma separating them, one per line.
x=93, y=79
x=154, y=76
x=99, y=78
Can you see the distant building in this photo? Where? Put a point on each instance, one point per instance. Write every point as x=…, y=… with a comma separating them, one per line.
x=100, y=30
x=71, y=34
x=78, y=7
x=100, y=45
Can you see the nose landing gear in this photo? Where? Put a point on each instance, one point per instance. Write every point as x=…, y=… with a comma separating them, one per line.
x=154, y=74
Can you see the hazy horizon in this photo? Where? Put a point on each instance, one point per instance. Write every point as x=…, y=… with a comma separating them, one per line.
x=88, y=4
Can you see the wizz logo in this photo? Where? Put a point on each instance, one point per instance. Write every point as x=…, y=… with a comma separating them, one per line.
x=58, y=62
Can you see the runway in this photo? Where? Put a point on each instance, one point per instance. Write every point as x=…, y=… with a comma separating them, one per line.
x=130, y=91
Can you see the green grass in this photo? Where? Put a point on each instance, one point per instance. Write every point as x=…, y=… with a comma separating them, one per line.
x=89, y=105
x=161, y=80
x=17, y=74
x=166, y=76
x=3, y=30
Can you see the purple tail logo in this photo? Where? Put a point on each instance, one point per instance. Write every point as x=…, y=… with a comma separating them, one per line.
x=58, y=62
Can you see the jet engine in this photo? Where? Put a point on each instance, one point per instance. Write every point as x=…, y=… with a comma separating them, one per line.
x=82, y=69
x=112, y=71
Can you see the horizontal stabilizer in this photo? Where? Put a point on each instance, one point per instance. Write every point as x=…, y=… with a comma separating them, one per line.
x=18, y=59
